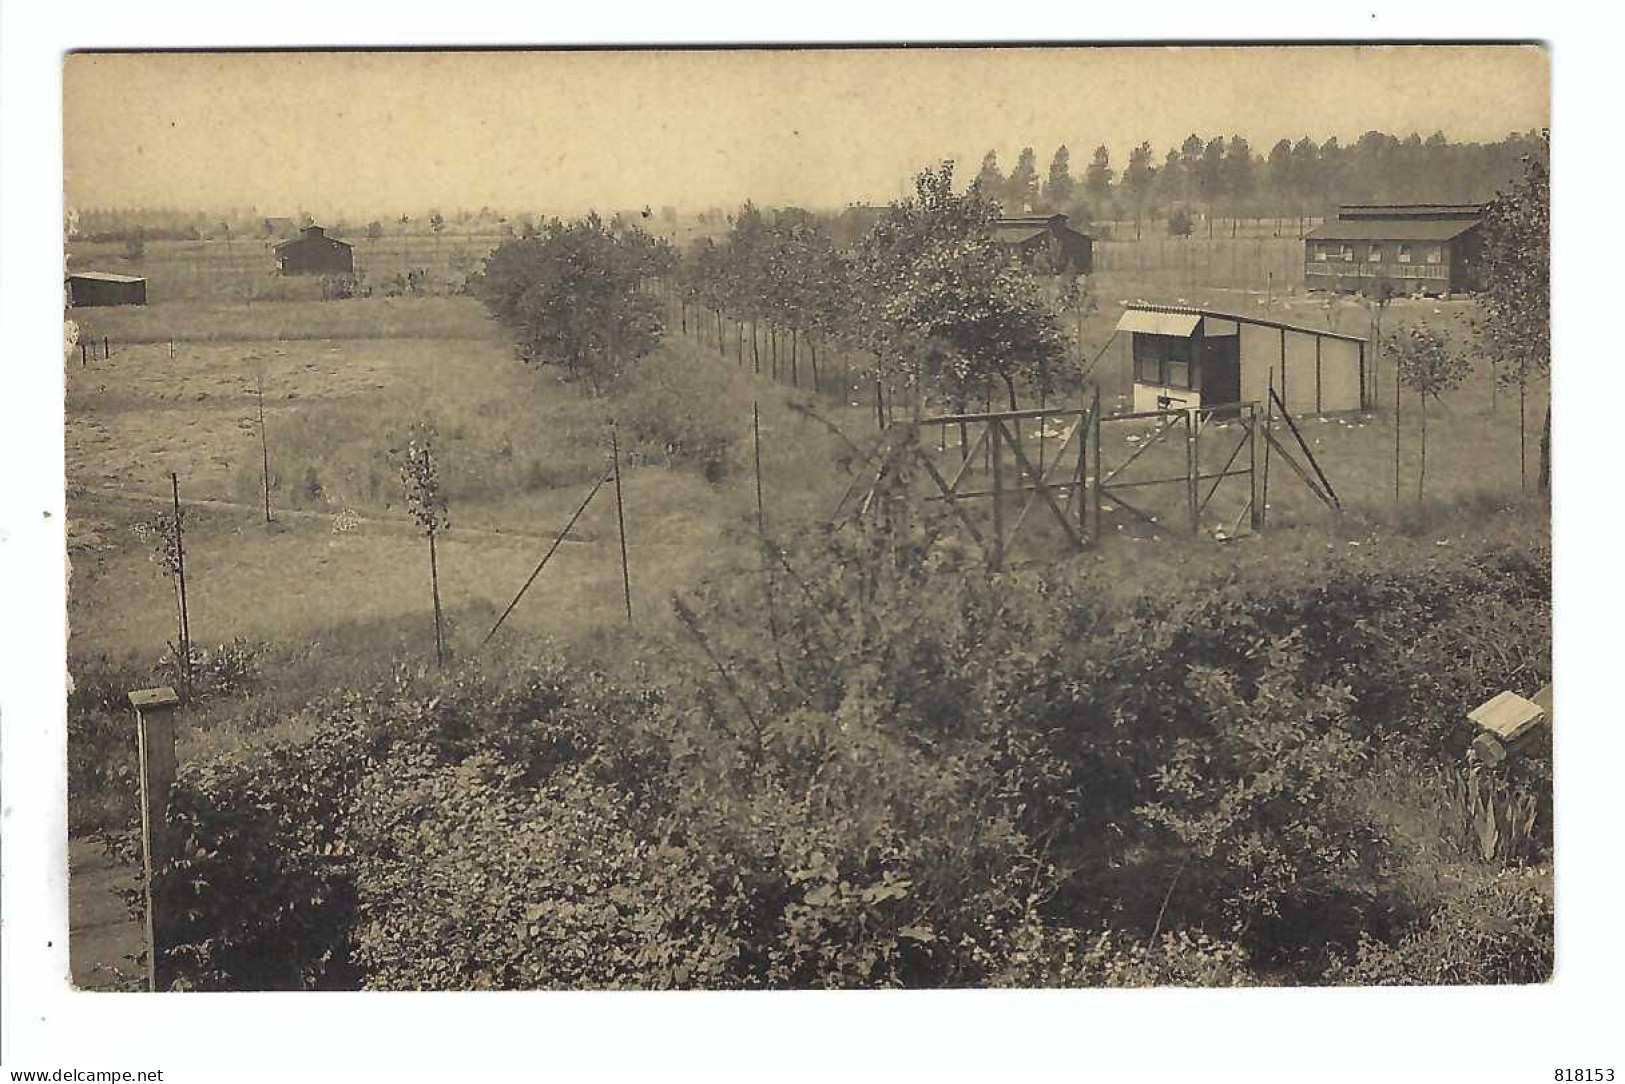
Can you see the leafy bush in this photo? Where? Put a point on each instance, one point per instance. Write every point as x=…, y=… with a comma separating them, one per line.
x=1112, y=959
x=1259, y=801
x=685, y=410
x=898, y=770
x=1498, y=930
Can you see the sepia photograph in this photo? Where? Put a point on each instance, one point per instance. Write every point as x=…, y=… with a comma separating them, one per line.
x=766, y=519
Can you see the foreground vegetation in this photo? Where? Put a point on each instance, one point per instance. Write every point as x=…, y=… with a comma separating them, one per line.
x=844, y=754
x=897, y=770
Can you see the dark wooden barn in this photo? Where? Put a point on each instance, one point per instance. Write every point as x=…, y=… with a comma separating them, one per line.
x=1189, y=358
x=1430, y=249
x=1064, y=248
x=314, y=253
x=86, y=288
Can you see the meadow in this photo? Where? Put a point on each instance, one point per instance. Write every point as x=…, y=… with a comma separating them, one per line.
x=330, y=599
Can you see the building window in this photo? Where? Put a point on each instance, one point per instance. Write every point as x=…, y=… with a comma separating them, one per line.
x=1348, y=253
x=1374, y=254
x=1162, y=360
x=1404, y=253
x=1321, y=251
x=1435, y=254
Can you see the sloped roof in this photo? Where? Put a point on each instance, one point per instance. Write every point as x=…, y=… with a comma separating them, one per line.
x=1016, y=232
x=1142, y=309
x=1410, y=210
x=1151, y=322
x=1390, y=229
x=103, y=276
x=307, y=237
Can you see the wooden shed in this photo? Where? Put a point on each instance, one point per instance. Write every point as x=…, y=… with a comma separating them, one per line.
x=1188, y=357
x=1027, y=238
x=86, y=288
x=314, y=253
x=1424, y=248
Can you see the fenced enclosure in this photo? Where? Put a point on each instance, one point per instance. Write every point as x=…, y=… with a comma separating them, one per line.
x=1258, y=264
x=1090, y=476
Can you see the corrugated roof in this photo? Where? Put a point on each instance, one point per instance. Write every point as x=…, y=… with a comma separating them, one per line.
x=1190, y=310
x=103, y=276
x=1150, y=322
x=1391, y=229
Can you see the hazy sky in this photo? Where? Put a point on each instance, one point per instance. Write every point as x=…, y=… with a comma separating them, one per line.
x=370, y=133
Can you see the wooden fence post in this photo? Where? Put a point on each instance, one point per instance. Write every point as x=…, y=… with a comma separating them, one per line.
x=996, y=444
x=1099, y=464
x=180, y=575
x=156, y=765
x=1193, y=469
x=1254, y=509
x=620, y=522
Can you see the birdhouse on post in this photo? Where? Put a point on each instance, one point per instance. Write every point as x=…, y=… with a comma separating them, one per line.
x=156, y=765
x=1508, y=723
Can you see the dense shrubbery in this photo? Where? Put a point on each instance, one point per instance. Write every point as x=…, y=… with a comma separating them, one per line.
x=904, y=771
x=688, y=412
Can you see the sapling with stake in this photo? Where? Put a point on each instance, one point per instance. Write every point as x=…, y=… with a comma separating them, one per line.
x=1426, y=364
x=426, y=503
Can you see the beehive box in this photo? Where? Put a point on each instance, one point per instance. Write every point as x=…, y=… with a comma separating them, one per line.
x=1508, y=716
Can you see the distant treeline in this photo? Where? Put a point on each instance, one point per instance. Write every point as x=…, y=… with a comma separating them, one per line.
x=1227, y=176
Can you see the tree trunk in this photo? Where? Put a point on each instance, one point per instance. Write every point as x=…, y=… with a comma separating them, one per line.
x=812, y=354
x=1523, y=470
x=1396, y=435
x=434, y=587
x=1422, y=468
x=795, y=368
x=755, y=352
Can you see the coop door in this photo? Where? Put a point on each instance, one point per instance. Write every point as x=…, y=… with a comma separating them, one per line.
x=1221, y=370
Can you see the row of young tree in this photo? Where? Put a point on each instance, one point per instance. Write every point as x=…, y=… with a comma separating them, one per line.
x=927, y=298
x=1227, y=176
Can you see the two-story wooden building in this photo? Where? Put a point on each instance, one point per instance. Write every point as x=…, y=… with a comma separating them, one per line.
x=1430, y=249
x=1064, y=248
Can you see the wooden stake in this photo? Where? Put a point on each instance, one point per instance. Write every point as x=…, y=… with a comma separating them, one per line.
x=557, y=542
x=434, y=587
x=620, y=522
x=180, y=574
x=761, y=535
x=1397, y=385
x=1269, y=417
x=1192, y=469
x=1100, y=466
x=265, y=449
x=996, y=433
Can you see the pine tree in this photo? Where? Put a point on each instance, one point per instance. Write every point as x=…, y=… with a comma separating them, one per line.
x=1021, y=190
x=1058, y=189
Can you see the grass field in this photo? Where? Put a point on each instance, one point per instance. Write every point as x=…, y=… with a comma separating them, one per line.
x=520, y=449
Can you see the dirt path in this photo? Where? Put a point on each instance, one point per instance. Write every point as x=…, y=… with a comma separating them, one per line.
x=104, y=942
x=400, y=523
